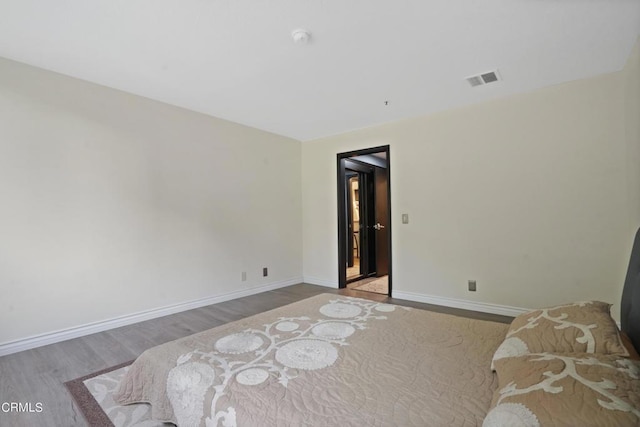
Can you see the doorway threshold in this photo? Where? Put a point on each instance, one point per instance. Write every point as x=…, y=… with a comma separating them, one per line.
x=378, y=285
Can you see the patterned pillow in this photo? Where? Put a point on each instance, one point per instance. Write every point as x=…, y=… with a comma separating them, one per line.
x=583, y=327
x=566, y=390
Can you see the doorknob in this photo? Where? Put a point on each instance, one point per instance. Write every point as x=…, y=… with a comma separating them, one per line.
x=378, y=226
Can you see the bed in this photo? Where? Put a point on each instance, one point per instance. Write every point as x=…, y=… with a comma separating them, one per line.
x=333, y=360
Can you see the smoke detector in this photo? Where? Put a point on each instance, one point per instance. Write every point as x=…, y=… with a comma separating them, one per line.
x=484, y=78
x=300, y=36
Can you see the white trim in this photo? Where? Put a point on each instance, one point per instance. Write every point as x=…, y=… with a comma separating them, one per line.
x=483, y=307
x=103, y=325
x=320, y=282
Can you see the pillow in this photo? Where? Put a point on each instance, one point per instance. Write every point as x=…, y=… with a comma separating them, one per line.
x=566, y=390
x=583, y=327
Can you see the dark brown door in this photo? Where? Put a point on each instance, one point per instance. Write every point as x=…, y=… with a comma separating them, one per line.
x=381, y=226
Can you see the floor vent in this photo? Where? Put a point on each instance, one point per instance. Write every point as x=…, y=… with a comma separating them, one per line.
x=484, y=78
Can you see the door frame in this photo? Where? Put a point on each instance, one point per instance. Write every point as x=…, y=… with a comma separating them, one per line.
x=342, y=201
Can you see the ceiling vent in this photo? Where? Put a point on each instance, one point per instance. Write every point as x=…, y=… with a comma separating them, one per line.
x=484, y=78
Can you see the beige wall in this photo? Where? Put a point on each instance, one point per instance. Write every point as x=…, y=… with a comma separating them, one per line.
x=631, y=76
x=111, y=204
x=531, y=195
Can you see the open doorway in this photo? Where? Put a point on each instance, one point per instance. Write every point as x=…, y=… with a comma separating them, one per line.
x=364, y=220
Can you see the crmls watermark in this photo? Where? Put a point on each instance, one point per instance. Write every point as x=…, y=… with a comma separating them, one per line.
x=21, y=407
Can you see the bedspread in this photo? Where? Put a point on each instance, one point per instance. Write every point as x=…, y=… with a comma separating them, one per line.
x=325, y=361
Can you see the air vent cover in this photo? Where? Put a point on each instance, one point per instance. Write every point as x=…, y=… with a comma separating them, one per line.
x=475, y=81
x=484, y=78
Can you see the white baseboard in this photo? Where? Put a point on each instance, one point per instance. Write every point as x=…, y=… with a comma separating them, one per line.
x=482, y=307
x=320, y=282
x=103, y=325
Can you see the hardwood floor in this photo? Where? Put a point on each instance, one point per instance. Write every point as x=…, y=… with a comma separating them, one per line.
x=38, y=375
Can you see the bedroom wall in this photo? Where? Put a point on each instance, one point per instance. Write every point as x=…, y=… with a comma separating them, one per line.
x=529, y=195
x=632, y=129
x=112, y=204
x=631, y=76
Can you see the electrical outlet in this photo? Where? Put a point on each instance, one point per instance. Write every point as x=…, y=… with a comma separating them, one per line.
x=244, y=276
x=265, y=272
x=472, y=285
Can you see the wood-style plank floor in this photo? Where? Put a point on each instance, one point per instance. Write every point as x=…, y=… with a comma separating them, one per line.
x=38, y=375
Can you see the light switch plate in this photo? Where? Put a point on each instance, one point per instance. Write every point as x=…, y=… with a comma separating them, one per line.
x=405, y=218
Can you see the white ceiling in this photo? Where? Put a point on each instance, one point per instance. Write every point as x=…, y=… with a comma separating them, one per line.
x=235, y=59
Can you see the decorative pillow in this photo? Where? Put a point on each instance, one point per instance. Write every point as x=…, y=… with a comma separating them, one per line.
x=583, y=327
x=566, y=390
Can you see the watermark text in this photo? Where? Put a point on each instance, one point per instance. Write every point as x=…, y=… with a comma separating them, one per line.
x=21, y=407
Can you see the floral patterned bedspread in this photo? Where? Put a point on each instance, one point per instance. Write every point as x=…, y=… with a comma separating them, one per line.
x=325, y=361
